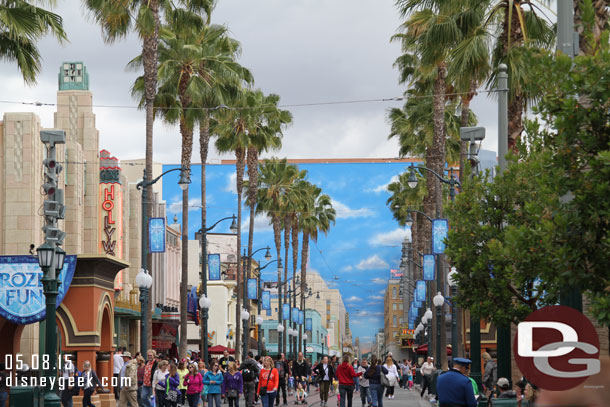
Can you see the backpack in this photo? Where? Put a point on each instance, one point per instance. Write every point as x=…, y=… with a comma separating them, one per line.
x=248, y=375
x=280, y=369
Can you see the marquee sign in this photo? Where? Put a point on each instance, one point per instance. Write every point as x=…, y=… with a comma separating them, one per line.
x=21, y=296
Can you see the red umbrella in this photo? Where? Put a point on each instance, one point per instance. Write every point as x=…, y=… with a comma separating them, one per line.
x=219, y=349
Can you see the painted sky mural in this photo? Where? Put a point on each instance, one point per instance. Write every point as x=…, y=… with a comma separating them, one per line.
x=360, y=250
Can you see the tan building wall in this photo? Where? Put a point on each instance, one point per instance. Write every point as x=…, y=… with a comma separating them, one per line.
x=393, y=312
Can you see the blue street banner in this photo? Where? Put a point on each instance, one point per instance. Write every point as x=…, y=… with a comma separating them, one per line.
x=286, y=312
x=429, y=267
x=266, y=300
x=440, y=229
x=22, y=300
x=415, y=304
x=421, y=290
x=156, y=235
x=214, y=266
x=301, y=317
x=269, y=312
x=308, y=324
x=411, y=326
x=252, y=289
x=295, y=315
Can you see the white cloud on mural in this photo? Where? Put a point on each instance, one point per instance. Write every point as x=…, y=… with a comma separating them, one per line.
x=379, y=281
x=372, y=263
x=176, y=206
x=261, y=223
x=383, y=187
x=392, y=238
x=345, y=212
x=231, y=183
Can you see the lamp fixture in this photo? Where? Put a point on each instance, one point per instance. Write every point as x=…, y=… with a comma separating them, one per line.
x=412, y=180
x=205, y=302
x=438, y=300
x=45, y=254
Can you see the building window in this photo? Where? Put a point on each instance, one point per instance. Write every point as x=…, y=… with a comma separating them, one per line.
x=272, y=336
x=394, y=292
x=394, y=307
x=309, y=336
x=394, y=320
x=400, y=306
x=400, y=321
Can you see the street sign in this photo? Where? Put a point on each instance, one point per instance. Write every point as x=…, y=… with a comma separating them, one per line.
x=309, y=349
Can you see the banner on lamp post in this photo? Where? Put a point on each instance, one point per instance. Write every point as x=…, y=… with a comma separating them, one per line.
x=252, y=289
x=429, y=267
x=266, y=299
x=301, y=317
x=308, y=324
x=286, y=312
x=156, y=235
x=214, y=267
x=420, y=291
x=295, y=315
x=440, y=229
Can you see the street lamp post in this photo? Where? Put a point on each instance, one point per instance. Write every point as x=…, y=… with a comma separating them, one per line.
x=305, y=345
x=144, y=282
x=202, y=234
x=451, y=279
x=246, y=301
x=428, y=321
x=259, y=318
x=184, y=181
x=438, y=300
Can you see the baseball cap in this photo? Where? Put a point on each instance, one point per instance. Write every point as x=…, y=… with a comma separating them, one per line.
x=503, y=382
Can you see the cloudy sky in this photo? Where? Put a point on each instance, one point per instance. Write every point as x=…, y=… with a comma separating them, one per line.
x=306, y=51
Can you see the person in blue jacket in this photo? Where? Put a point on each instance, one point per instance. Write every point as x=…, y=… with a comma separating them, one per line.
x=212, y=380
x=454, y=388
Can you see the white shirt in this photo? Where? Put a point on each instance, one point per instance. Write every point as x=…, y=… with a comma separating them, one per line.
x=427, y=368
x=118, y=363
x=157, y=377
x=392, y=371
x=325, y=368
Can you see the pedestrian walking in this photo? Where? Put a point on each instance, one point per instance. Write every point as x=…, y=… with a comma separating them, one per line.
x=454, y=388
x=325, y=374
x=427, y=370
x=158, y=382
x=213, y=381
x=150, y=367
x=268, y=382
x=374, y=373
x=284, y=371
x=172, y=382
x=91, y=381
x=233, y=384
x=346, y=376
x=301, y=369
x=405, y=369
x=249, y=373
x=365, y=394
x=129, y=393
x=202, y=371
x=182, y=372
x=140, y=375
x=194, y=385
x=356, y=365
x=392, y=376
x=117, y=365
x=69, y=376
x=490, y=374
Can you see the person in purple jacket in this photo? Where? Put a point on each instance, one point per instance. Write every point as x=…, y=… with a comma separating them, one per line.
x=173, y=381
x=233, y=385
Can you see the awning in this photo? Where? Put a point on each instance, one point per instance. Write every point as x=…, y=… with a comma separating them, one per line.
x=423, y=350
x=218, y=349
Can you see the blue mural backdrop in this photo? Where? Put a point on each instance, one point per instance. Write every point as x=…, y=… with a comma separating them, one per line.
x=252, y=291
x=286, y=312
x=266, y=299
x=421, y=290
x=214, y=267
x=440, y=229
x=21, y=295
x=429, y=267
x=156, y=235
x=349, y=260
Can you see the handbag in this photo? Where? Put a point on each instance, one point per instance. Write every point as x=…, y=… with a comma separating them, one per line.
x=263, y=389
x=383, y=378
x=232, y=393
x=172, y=395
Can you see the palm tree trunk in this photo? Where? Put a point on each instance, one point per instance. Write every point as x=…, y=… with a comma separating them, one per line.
x=204, y=145
x=149, y=60
x=435, y=190
x=240, y=164
x=187, y=151
x=277, y=238
x=252, y=160
x=465, y=119
x=295, y=261
x=304, y=259
x=287, y=219
x=601, y=20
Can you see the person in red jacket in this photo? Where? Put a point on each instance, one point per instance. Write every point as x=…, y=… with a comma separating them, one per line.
x=345, y=374
x=268, y=382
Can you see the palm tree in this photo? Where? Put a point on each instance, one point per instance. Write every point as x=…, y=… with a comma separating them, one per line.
x=317, y=216
x=277, y=177
x=599, y=14
x=519, y=28
x=22, y=24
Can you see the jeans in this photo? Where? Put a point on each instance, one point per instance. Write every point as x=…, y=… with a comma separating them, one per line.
x=3, y=398
x=116, y=388
x=249, y=393
x=426, y=385
x=193, y=399
x=268, y=399
x=66, y=398
x=389, y=391
x=345, y=390
x=159, y=397
x=87, y=397
x=365, y=395
x=324, y=386
x=376, y=394
x=356, y=383
x=233, y=401
x=145, y=394
x=214, y=398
